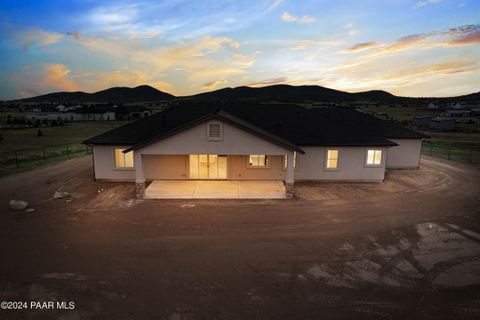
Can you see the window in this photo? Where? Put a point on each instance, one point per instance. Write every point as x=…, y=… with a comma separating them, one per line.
x=214, y=131
x=258, y=160
x=123, y=160
x=374, y=157
x=285, y=160
x=332, y=159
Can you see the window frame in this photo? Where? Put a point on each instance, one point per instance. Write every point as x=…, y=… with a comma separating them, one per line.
x=267, y=162
x=374, y=165
x=337, y=168
x=124, y=154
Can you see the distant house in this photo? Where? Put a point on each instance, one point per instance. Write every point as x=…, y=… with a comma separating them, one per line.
x=442, y=124
x=475, y=112
x=455, y=106
x=64, y=116
x=422, y=121
x=432, y=105
x=458, y=113
x=61, y=108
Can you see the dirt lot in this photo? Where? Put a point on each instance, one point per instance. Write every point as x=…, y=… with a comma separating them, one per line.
x=408, y=248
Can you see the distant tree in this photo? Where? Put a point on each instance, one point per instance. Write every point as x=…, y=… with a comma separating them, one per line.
x=37, y=123
x=53, y=123
x=1, y=137
x=39, y=133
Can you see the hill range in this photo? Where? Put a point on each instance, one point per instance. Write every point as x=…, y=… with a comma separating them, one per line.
x=280, y=92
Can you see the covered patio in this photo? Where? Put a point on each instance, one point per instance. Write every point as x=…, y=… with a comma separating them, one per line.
x=215, y=189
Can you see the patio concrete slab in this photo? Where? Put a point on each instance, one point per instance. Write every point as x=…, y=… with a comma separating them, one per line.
x=208, y=189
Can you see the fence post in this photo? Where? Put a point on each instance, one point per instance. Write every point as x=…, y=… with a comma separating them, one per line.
x=470, y=156
x=16, y=158
x=66, y=145
x=43, y=153
x=431, y=149
x=449, y=154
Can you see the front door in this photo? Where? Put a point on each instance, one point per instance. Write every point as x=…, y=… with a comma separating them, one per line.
x=208, y=166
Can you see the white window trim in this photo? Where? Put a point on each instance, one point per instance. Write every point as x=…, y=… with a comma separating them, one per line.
x=209, y=138
x=373, y=165
x=325, y=168
x=115, y=168
x=258, y=167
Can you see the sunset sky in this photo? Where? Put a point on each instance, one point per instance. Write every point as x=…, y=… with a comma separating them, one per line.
x=407, y=47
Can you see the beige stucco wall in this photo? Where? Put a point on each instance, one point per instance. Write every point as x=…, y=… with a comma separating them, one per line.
x=194, y=141
x=351, y=165
x=405, y=155
x=238, y=169
x=165, y=167
x=105, y=167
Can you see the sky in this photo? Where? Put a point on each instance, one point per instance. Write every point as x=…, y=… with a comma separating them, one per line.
x=407, y=47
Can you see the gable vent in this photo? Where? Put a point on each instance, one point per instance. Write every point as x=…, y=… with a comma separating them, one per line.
x=214, y=131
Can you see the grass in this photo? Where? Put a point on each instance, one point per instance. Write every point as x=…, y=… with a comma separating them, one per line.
x=25, y=138
x=22, y=149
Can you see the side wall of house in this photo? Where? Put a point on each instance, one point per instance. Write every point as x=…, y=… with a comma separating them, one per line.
x=351, y=165
x=104, y=164
x=406, y=155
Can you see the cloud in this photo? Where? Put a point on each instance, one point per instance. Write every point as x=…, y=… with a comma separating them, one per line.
x=306, y=20
x=287, y=17
x=267, y=82
x=27, y=92
x=57, y=76
x=37, y=37
x=362, y=46
x=273, y=5
x=464, y=35
x=73, y=34
x=214, y=84
x=423, y=3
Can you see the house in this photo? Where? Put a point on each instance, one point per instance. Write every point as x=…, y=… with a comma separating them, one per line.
x=442, y=124
x=432, y=105
x=264, y=142
x=422, y=121
x=457, y=113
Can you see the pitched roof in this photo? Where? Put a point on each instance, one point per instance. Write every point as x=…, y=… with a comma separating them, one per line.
x=285, y=124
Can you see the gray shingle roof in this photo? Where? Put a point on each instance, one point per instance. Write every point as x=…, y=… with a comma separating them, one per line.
x=286, y=124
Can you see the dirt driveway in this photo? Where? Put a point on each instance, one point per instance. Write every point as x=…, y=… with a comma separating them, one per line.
x=408, y=248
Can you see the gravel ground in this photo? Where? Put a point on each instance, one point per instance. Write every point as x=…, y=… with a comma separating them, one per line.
x=408, y=248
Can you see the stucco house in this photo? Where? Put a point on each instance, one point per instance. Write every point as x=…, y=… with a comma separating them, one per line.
x=267, y=142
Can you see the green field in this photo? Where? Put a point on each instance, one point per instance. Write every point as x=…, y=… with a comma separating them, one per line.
x=22, y=149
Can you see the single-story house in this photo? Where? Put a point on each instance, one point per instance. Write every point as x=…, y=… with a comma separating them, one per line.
x=264, y=142
x=442, y=124
x=422, y=121
x=457, y=113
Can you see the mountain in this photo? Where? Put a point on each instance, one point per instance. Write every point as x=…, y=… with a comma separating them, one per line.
x=116, y=94
x=281, y=92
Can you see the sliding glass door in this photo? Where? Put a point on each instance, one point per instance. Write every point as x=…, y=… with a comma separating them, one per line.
x=208, y=166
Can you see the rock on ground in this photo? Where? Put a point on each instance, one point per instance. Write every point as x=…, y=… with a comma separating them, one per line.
x=18, y=204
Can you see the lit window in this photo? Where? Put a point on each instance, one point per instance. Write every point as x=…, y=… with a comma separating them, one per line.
x=374, y=157
x=123, y=160
x=258, y=160
x=332, y=159
x=285, y=160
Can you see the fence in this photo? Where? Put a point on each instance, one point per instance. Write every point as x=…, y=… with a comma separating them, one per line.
x=24, y=159
x=451, y=153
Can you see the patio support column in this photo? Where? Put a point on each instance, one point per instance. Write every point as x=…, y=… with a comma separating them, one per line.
x=290, y=178
x=139, y=176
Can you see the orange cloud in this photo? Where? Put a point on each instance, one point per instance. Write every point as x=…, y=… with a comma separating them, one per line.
x=214, y=84
x=56, y=75
x=267, y=82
